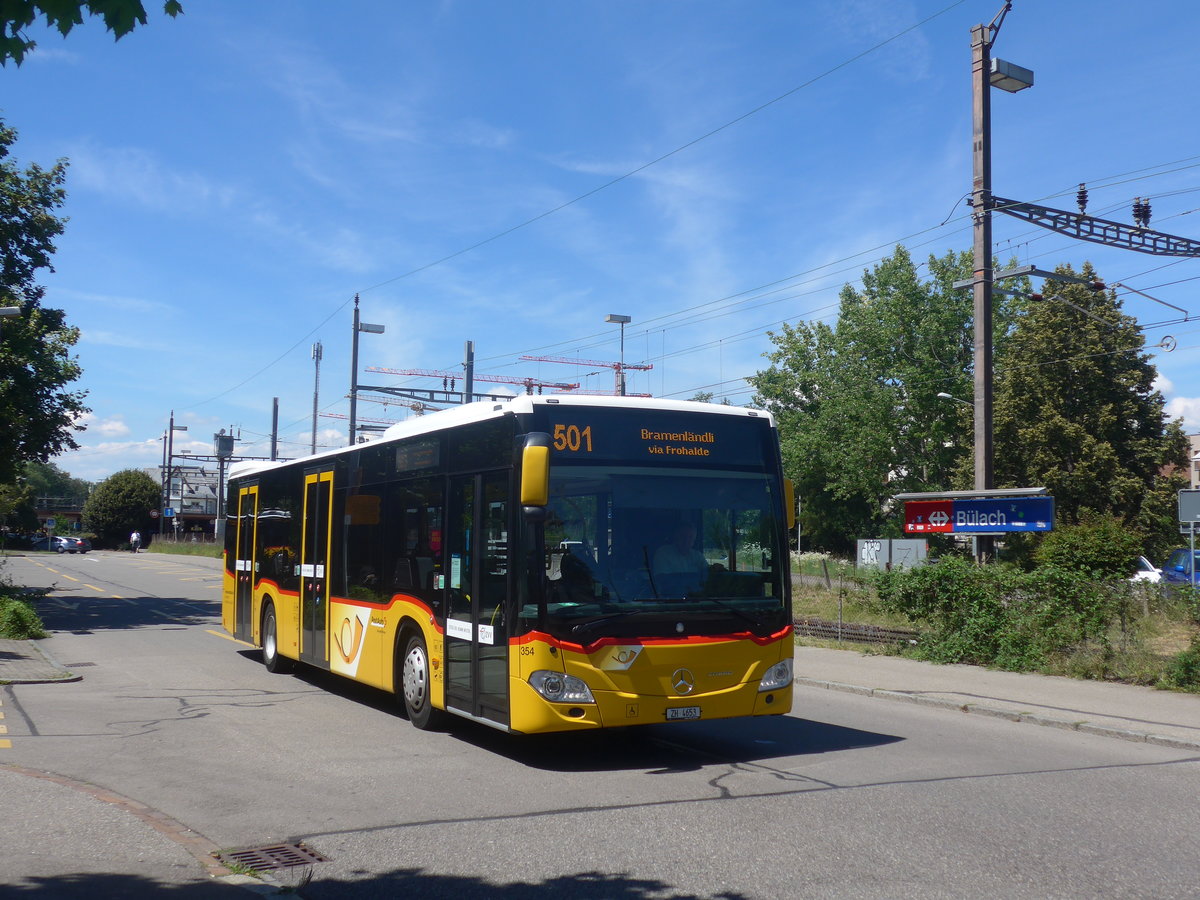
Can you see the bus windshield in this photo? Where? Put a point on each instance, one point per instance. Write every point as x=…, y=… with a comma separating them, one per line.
x=660, y=552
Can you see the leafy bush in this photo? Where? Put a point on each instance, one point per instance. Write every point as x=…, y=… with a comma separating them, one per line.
x=1103, y=546
x=998, y=615
x=1183, y=672
x=18, y=621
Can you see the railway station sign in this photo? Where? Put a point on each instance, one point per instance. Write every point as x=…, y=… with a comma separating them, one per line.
x=990, y=515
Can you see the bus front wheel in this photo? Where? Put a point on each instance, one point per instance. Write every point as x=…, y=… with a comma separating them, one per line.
x=270, y=643
x=414, y=685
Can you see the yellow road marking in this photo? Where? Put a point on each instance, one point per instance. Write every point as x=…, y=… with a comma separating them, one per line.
x=5, y=744
x=69, y=578
x=228, y=637
x=3, y=729
x=93, y=587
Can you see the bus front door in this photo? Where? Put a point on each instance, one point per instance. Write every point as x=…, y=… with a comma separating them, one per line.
x=314, y=567
x=244, y=568
x=476, y=597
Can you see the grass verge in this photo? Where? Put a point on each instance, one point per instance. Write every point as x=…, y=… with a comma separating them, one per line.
x=212, y=551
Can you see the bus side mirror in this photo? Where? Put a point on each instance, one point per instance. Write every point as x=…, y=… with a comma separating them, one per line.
x=789, y=500
x=535, y=475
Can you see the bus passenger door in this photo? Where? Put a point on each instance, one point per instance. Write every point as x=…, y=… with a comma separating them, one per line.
x=314, y=566
x=244, y=569
x=476, y=596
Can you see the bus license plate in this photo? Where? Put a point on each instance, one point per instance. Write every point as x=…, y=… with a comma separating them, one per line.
x=683, y=712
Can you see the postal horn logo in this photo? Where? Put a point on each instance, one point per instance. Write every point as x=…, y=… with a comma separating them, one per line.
x=349, y=639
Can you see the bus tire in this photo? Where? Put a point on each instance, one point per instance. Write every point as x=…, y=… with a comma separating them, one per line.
x=415, y=686
x=275, y=663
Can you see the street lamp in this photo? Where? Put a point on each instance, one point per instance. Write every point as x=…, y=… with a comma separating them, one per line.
x=369, y=329
x=9, y=312
x=985, y=71
x=168, y=463
x=615, y=319
x=942, y=395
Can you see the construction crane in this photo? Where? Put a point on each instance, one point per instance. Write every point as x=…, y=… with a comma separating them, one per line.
x=417, y=406
x=448, y=378
x=618, y=368
x=329, y=415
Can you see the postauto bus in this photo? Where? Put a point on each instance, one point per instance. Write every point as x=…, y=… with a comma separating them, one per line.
x=544, y=564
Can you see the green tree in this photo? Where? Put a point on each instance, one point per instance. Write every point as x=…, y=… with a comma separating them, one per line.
x=120, y=17
x=857, y=403
x=48, y=480
x=121, y=504
x=1100, y=546
x=38, y=413
x=1076, y=409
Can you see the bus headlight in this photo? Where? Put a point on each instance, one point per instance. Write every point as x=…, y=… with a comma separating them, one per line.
x=559, y=688
x=778, y=676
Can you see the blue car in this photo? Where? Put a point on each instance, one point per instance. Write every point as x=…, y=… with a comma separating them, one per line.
x=1181, y=567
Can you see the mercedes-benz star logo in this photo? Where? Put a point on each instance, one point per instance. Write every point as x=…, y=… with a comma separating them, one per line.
x=683, y=681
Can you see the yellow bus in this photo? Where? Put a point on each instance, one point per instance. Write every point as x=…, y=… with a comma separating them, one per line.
x=552, y=563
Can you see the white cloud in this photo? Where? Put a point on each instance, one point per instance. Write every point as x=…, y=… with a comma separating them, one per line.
x=109, y=302
x=42, y=55
x=1163, y=384
x=113, y=339
x=1186, y=408
x=110, y=428
x=99, y=461
x=134, y=174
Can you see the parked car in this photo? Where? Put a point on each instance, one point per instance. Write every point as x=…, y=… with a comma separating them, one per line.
x=1181, y=566
x=60, y=544
x=1146, y=571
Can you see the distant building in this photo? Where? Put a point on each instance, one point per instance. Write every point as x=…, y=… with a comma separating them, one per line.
x=192, y=499
x=1194, y=453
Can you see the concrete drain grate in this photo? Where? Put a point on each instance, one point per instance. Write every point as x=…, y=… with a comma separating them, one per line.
x=276, y=856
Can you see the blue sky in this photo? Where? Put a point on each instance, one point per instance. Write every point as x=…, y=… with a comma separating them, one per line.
x=240, y=172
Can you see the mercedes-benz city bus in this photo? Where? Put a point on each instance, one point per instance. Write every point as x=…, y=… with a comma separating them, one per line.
x=544, y=564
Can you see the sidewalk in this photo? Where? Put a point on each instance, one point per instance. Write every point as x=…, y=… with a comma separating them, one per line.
x=25, y=662
x=1124, y=711
x=77, y=841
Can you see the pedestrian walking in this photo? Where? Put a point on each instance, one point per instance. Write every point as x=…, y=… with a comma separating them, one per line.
x=135, y=541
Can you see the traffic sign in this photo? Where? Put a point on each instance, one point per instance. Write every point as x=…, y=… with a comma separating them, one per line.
x=975, y=516
x=168, y=513
x=1189, y=505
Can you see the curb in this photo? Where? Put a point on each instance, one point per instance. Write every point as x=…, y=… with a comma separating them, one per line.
x=62, y=675
x=1011, y=715
x=199, y=847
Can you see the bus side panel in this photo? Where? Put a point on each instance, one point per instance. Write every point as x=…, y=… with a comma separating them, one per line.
x=363, y=642
x=287, y=618
x=228, y=596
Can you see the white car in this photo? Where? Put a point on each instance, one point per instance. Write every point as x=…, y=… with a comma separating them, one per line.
x=1146, y=571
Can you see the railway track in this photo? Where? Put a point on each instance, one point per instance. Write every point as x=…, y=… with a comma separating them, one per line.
x=850, y=631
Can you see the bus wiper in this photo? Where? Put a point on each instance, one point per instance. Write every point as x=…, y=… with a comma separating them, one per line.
x=740, y=613
x=649, y=569
x=600, y=620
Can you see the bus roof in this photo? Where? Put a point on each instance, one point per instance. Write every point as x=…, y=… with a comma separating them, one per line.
x=482, y=410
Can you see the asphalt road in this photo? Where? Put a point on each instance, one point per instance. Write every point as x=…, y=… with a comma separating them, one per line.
x=849, y=796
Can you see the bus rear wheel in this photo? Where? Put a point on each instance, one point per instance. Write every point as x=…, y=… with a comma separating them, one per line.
x=415, y=686
x=270, y=643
